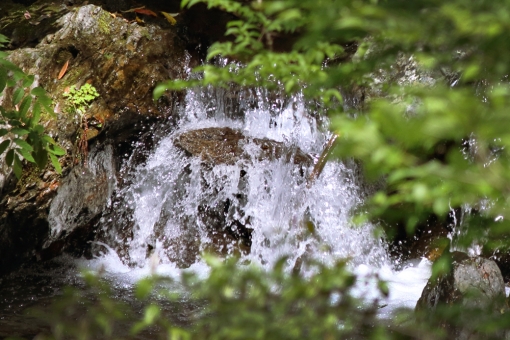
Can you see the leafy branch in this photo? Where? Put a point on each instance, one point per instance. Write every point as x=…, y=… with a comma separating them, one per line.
x=21, y=134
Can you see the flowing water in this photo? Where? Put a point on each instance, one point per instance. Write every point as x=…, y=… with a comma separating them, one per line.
x=166, y=211
x=176, y=207
x=172, y=195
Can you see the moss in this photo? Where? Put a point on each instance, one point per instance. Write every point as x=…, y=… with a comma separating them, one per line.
x=104, y=22
x=63, y=56
x=29, y=177
x=146, y=34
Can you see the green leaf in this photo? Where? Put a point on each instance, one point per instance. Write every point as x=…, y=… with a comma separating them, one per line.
x=38, y=129
x=152, y=312
x=56, y=150
x=41, y=157
x=144, y=288
x=24, y=106
x=36, y=114
x=17, y=95
x=9, y=157
x=159, y=90
x=56, y=163
x=28, y=81
x=10, y=66
x=38, y=91
x=17, y=167
x=46, y=103
x=23, y=144
x=49, y=140
x=19, y=131
x=26, y=154
x=4, y=145
x=3, y=79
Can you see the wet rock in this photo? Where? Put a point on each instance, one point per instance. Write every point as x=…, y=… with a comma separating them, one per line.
x=123, y=61
x=223, y=145
x=427, y=239
x=28, y=26
x=78, y=204
x=502, y=258
x=471, y=285
x=23, y=216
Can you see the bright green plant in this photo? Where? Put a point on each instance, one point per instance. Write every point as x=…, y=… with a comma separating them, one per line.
x=80, y=99
x=21, y=134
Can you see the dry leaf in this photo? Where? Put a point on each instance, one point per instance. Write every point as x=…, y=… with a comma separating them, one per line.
x=63, y=70
x=133, y=9
x=138, y=20
x=170, y=17
x=145, y=11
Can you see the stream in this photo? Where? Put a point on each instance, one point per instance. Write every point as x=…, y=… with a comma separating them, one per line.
x=163, y=212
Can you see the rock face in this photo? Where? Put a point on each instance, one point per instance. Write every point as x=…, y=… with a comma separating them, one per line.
x=474, y=284
x=218, y=145
x=123, y=61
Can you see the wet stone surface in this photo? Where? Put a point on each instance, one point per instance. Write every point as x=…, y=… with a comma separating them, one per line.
x=474, y=284
x=226, y=145
x=123, y=61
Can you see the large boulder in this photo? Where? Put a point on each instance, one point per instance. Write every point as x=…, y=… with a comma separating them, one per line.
x=472, y=285
x=123, y=60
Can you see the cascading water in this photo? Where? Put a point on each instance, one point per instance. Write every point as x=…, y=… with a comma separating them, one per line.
x=174, y=197
x=251, y=198
x=259, y=208
x=229, y=174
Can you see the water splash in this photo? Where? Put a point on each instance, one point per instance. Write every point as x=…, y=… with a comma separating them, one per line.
x=260, y=209
x=163, y=212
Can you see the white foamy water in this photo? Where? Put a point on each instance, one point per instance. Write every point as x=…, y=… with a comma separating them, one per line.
x=174, y=200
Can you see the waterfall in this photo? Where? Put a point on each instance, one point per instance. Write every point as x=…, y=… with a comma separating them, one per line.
x=178, y=207
x=242, y=191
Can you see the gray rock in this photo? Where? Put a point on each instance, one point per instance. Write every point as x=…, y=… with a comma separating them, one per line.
x=473, y=288
x=123, y=61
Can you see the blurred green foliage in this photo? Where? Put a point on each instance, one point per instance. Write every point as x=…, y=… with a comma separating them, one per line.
x=418, y=91
x=21, y=106
x=237, y=301
x=233, y=302
x=430, y=79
